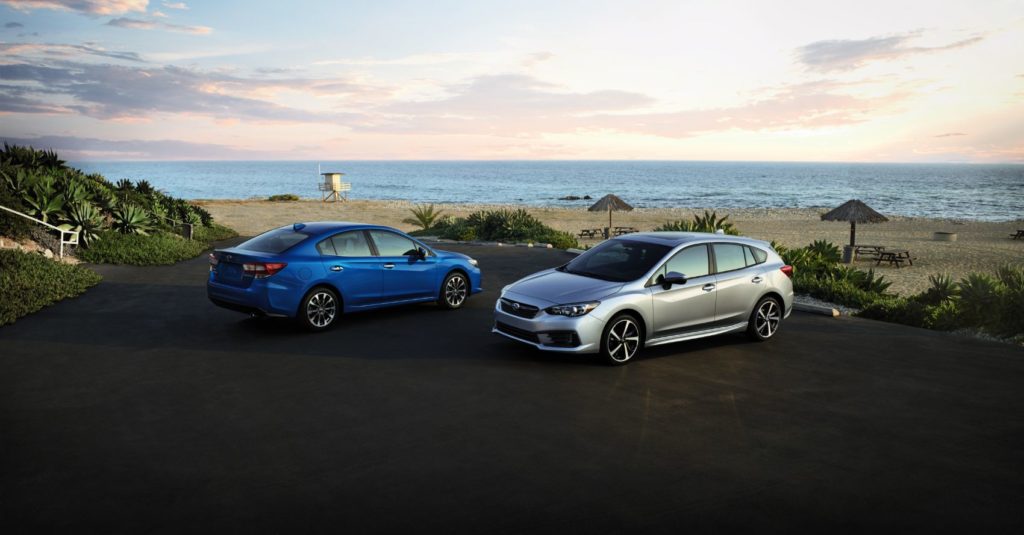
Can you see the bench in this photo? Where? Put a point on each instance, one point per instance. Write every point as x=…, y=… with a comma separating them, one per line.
x=895, y=257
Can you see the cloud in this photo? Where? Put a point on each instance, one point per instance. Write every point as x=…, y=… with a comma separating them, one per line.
x=80, y=148
x=535, y=58
x=951, y=134
x=415, y=59
x=849, y=54
x=88, y=7
x=516, y=95
x=139, y=24
x=810, y=105
x=53, y=50
x=14, y=25
x=128, y=91
x=175, y=5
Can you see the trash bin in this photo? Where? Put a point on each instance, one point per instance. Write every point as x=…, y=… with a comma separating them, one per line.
x=848, y=254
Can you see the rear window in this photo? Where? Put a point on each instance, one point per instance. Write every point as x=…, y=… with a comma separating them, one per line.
x=274, y=241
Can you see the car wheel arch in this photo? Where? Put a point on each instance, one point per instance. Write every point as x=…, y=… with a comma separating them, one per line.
x=639, y=316
x=321, y=284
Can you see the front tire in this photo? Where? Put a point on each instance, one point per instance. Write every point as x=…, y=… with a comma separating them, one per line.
x=765, y=320
x=320, y=309
x=622, y=339
x=454, y=291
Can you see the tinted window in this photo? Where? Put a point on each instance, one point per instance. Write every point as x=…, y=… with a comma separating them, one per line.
x=759, y=255
x=352, y=243
x=729, y=256
x=692, y=262
x=274, y=241
x=391, y=244
x=617, y=260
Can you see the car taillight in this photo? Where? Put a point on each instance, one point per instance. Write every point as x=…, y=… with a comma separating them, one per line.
x=262, y=270
x=788, y=270
x=213, y=262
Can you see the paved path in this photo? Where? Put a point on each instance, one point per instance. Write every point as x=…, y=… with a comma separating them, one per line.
x=140, y=407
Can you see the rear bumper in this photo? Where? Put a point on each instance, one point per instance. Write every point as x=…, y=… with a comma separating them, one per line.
x=251, y=300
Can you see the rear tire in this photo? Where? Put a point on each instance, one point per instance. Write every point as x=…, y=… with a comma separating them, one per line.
x=622, y=339
x=320, y=309
x=454, y=291
x=765, y=319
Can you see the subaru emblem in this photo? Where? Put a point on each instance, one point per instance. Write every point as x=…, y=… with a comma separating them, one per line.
x=515, y=306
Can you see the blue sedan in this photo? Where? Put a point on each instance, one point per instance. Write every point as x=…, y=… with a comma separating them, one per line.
x=315, y=271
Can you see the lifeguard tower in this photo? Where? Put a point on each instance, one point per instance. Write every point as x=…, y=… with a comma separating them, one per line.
x=333, y=188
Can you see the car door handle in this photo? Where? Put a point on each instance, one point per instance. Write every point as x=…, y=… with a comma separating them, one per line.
x=708, y=287
x=756, y=280
x=389, y=266
x=337, y=268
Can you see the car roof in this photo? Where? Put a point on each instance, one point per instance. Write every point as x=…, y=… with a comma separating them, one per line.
x=674, y=239
x=320, y=228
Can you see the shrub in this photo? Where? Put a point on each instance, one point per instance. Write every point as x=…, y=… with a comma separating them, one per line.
x=29, y=282
x=423, y=216
x=212, y=233
x=502, y=225
x=131, y=219
x=142, y=249
x=826, y=251
x=283, y=197
x=709, y=222
x=12, y=225
x=86, y=219
x=897, y=310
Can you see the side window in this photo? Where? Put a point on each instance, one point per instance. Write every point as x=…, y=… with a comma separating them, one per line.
x=352, y=243
x=729, y=257
x=692, y=262
x=749, y=256
x=759, y=255
x=391, y=244
x=326, y=248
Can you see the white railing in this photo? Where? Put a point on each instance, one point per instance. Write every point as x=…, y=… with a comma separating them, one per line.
x=71, y=235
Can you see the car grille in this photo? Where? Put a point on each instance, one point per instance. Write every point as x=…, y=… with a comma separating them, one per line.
x=516, y=308
x=522, y=334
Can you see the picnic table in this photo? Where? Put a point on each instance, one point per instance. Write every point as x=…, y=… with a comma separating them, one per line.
x=1018, y=235
x=619, y=231
x=872, y=250
x=895, y=257
x=592, y=233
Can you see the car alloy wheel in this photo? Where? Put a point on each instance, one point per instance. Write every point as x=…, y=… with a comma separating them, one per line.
x=455, y=290
x=321, y=309
x=765, y=320
x=622, y=341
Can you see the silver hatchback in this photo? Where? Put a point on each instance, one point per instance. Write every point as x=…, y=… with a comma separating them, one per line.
x=648, y=289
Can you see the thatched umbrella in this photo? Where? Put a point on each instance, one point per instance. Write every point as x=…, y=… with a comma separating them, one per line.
x=612, y=204
x=855, y=212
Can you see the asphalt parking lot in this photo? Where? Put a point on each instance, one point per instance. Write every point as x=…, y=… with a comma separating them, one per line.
x=142, y=408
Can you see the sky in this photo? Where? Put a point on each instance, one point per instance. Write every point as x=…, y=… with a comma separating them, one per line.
x=904, y=81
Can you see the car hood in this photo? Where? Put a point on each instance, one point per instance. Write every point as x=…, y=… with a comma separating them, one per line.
x=555, y=287
x=449, y=254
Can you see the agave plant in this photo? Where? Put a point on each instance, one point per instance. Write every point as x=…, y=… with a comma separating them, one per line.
x=424, y=216
x=86, y=219
x=124, y=185
x=682, y=225
x=43, y=201
x=29, y=158
x=942, y=289
x=131, y=219
x=827, y=251
x=710, y=222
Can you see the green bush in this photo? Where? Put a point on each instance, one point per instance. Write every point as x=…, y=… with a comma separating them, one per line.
x=29, y=282
x=142, y=249
x=212, y=233
x=423, y=216
x=502, y=225
x=282, y=197
x=709, y=222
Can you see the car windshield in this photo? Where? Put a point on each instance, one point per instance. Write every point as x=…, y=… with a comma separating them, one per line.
x=617, y=260
x=274, y=241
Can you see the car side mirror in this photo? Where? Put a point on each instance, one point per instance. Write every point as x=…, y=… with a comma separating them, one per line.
x=421, y=253
x=673, y=277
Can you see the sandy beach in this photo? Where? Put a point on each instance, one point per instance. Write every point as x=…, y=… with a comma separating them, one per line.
x=980, y=246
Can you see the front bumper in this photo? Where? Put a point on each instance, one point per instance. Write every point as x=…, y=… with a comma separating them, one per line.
x=549, y=332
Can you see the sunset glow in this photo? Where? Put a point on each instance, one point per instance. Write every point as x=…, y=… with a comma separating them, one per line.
x=795, y=81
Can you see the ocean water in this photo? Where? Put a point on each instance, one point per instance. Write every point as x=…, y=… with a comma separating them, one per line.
x=959, y=191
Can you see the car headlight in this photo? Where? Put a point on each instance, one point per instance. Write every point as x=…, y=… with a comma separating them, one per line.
x=572, y=310
x=473, y=262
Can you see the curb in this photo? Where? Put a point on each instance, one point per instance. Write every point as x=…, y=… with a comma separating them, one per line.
x=816, y=309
